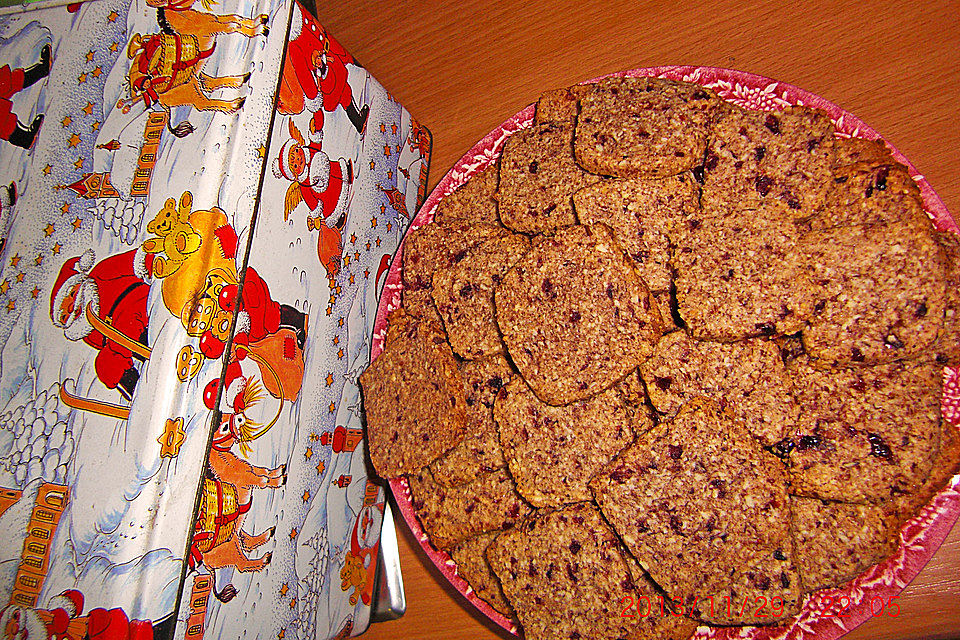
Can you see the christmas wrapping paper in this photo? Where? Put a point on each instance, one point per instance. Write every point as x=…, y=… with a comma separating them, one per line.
x=199, y=202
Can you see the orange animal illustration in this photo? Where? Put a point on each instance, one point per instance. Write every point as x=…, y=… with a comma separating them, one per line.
x=219, y=539
x=165, y=67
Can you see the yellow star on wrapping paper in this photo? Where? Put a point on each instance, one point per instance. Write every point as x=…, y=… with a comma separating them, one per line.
x=373, y=165
x=383, y=127
x=378, y=242
x=346, y=260
x=393, y=128
x=329, y=310
x=47, y=169
x=368, y=245
x=329, y=379
x=383, y=209
x=82, y=78
x=21, y=276
x=293, y=603
x=56, y=249
x=89, y=56
x=73, y=141
x=38, y=260
x=339, y=322
x=35, y=293
x=340, y=354
x=88, y=109
x=353, y=238
x=390, y=175
x=97, y=71
x=389, y=226
x=284, y=589
x=78, y=164
x=172, y=438
x=65, y=208
x=356, y=256
x=293, y=533
x=11, y=306
x=113, y=16
x=399, y=148
x=95, y=126
x=320, y=467
x=366, y=273
x=306, y=495
x=48, y=230
x=15, y=260
x=283, y=632
x=66, y=121
x=373, y=222
x=308, y=453
x=387, y=151
x=336, y=339
x=4, y=286
x=352, y=278
x=261, y=151
x=332, y=407
x=76, y=223
x=114, y=46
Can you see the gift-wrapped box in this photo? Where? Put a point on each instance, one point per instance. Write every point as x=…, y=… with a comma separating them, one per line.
x=199, y=203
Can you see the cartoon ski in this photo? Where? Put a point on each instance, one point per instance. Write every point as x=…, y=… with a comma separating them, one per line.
x=93, y=405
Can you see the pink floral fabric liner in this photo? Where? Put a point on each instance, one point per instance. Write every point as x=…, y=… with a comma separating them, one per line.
x=826, y=614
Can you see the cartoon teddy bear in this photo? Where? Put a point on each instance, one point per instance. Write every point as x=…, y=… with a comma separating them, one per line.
x=176, y=237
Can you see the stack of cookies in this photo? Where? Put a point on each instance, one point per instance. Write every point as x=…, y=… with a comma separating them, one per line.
x=668, y=363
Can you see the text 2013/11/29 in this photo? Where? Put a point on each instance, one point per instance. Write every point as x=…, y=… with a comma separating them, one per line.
x=758, y=607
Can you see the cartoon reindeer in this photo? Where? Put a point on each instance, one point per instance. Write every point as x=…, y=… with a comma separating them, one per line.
x=219, y=539
x=165, y=67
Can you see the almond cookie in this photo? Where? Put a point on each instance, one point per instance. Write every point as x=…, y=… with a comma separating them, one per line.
x=480, y=451
x=947, y=349
x=560, y=105
x=880, y=293
x=647, y=215
x=474, y=200
x=742, y=276
x=413, y=396
x=946, y=464
x=451, y=515
x=537, y=177
x=553, y=452
x=872, y=194
x=697, y=500
x=463, y=295
x=437, y=246
x=566, y=577
x=629, y=127
x=759, y=592
x=758, y=156
x=472, y=566
x=835, y=542
x=867, y=434
x=747, y=377
x=575, y=316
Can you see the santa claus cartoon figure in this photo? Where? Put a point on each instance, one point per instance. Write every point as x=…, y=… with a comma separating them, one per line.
x=115, y=292
x=12, y=81
x=63, y=621
x=315, y=74
x=320, y=183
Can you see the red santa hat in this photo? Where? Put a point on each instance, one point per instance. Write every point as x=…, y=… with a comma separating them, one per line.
x=70, y=601
x=73, y=270
x=281, y=166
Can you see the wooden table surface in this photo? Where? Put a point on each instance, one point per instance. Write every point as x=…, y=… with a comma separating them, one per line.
x=463, y=68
